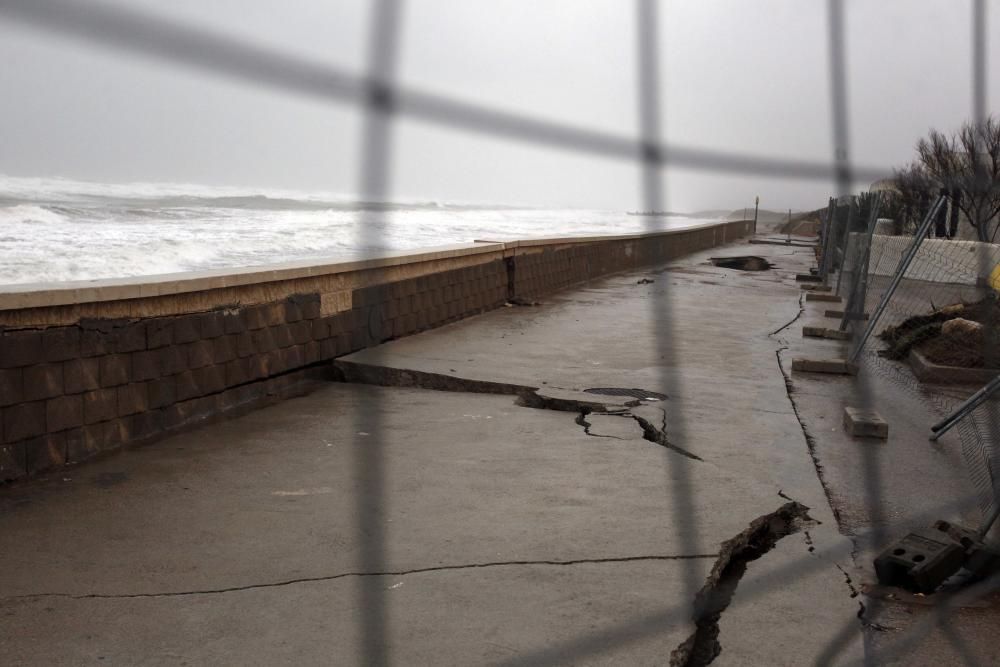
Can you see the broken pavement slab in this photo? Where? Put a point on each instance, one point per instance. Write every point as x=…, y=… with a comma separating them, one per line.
x=862, y=423
x=490, y=513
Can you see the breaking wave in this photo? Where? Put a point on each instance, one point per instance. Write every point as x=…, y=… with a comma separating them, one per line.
x=54, y=230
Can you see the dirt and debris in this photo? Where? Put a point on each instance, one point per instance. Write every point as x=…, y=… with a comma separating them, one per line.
x=518, y=301
x=950, y=336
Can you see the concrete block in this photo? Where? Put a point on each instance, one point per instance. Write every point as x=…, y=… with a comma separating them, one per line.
x=187, y=386
x=82, y=443
x=212, y=325
x=301, y=332
x=224, y=348
x=293, y=313
x=199, y=353
x=61, y=343
x=807, y=278
x=254, y=317
x=11, y=386
x=232, y=322
x=63, y=413
x=45, y=452
x=329, y=348
x=130, y=338
x=212, y=379
x=132, y=398
x=23, y=421
x=830, y=366
x=159, y=333
x=43, y=381
x=161, y=392
x=861, y=423
x=320, y=329
x=244, y=344
x=146, y=365
x=145, y=425
x=839, y=314
x=173, y=360
x=20, y=348
x=115, y=369
x=825, y=332
x=79, y=375
x=311, y=307
x=293, y=357
x=822, y=296
x=815, y=287
x=282, y=336
x=263, y=340
x=311, y=352
x=274, y=314
x=186, y=329
x=99, y=405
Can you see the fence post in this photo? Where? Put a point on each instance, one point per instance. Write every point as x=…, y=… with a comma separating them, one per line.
x=904, y=263
x=831, y=211
x=829, y=244
x=859, y=288
x=852, y=209
x=967, y=406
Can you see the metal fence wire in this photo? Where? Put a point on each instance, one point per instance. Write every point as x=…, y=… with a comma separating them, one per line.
x=945, y=277
x=928, y=306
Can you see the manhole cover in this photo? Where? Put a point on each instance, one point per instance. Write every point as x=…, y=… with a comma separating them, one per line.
x=641, y=394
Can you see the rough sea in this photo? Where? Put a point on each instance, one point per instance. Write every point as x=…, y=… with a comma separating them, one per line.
x=54, y=230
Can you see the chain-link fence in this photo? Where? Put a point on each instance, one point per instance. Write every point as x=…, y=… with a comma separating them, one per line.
x=924, y=311
x=941, y=277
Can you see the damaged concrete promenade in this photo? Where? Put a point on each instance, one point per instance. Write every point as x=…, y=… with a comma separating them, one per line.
x=457, y=498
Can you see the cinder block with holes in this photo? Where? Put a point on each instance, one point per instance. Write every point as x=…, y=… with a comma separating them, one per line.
x=861, y=423
x=920, y=562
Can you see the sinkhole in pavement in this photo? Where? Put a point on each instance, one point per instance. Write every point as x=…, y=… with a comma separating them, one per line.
x=743, y=263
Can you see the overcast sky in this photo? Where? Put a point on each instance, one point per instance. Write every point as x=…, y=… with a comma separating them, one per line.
x=737, y=75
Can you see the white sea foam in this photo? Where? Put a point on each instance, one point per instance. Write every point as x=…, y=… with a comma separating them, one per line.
x=55, y=230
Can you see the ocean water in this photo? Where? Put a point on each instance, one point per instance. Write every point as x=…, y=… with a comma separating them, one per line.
x=54, y=230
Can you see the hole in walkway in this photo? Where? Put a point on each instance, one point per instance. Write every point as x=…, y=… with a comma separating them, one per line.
x=641, y=394
x=744, y=263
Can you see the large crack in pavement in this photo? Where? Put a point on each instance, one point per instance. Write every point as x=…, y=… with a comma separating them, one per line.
x=760, y=536
x=807, y=435
x=814, y=455
x=527, y=397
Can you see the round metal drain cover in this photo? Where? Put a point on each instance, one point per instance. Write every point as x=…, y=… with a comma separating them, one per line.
x=641, y=394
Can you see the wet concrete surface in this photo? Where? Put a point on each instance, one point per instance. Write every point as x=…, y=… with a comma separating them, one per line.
x=364, y=524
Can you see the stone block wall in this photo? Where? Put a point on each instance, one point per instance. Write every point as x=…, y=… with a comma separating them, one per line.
x=72, y=385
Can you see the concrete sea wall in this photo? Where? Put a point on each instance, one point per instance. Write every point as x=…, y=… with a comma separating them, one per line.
x=88, y=367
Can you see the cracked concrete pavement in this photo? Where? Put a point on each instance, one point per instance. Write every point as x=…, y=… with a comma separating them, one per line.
x=495, y=532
